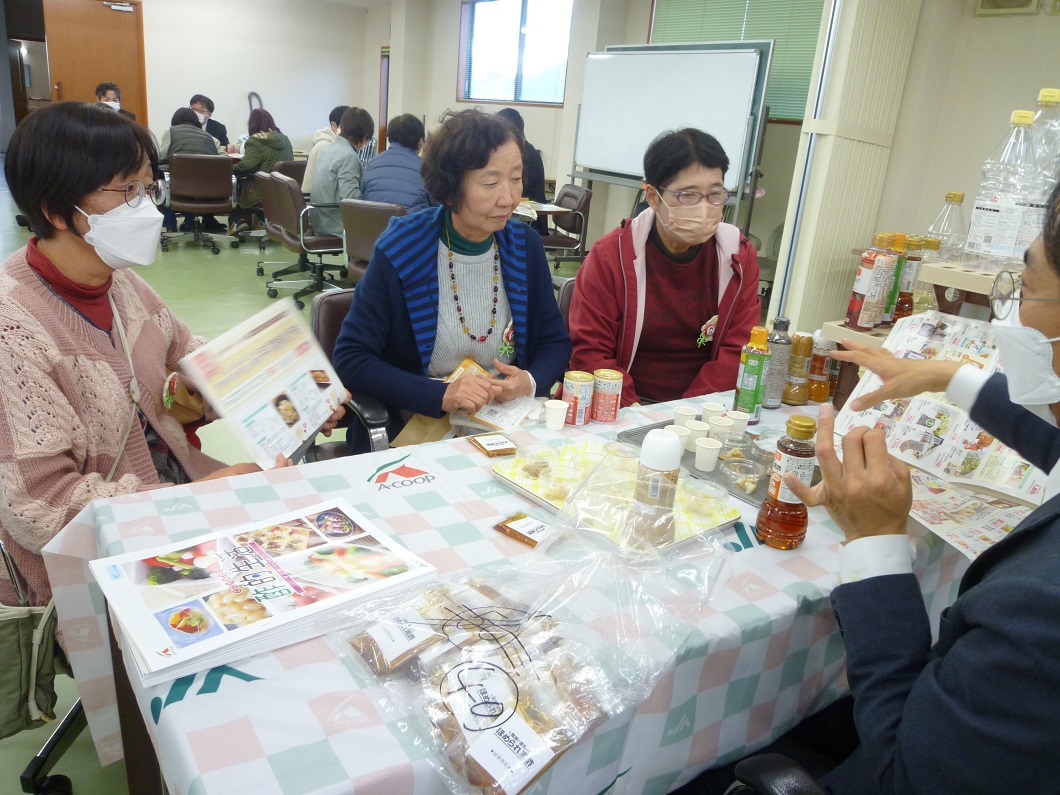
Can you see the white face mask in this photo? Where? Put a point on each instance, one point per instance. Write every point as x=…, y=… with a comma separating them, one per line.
x=202, y=118
x=1027, y=357
x=112, y=104
x=125, y=236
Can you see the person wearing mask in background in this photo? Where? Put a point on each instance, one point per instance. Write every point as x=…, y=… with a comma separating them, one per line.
x=87, y=344
x=185, y=136
x=669, y=297
x=266, y=146
x=110, y=95
x=533, y=167
x=394, y=175
x=338, y=171
x=322, y=138
x=203, y=107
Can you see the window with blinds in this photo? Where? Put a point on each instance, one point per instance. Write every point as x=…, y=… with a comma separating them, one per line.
x=793, y=24
x=514, y=50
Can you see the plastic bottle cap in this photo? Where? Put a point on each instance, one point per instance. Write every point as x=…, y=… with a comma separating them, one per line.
x=899, y=240
x=781, y=323
x=955, y=196
x=661, y=450
x=914, y=242
x=932, y=243
x=799, y=427
x=1051, y=95
x=1023, y=118
x=759, y=337
x=879, y=240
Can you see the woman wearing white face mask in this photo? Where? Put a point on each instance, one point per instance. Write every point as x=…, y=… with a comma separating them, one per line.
x=85, y=344
x=980, y=710
x=670, y=297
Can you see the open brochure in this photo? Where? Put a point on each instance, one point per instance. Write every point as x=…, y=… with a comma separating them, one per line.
x=494, y=416
x=228, y=595
x=931, y=433
x=271, y=380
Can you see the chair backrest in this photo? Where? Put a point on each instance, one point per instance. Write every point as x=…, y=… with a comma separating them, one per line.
x=363, y=222
x=270, y=202
x=202, y=177
x=327, y=312
x=566, y=292
x=295, y=169
x=576, y=198
x=290, y=202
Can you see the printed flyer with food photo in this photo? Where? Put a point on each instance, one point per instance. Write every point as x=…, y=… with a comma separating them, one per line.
x=193, y=605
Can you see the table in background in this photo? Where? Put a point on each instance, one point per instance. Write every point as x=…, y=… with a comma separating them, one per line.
x=763, y=655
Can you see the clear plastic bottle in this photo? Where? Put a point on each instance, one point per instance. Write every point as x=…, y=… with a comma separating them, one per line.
x=780, y=350
x=782, y=519
x=899, y=249
x=655, y=489
x=1010, y=205
x=914, y=247
x=864, y=295
x=1047, y=133
x=753, y=374
x=950, y=228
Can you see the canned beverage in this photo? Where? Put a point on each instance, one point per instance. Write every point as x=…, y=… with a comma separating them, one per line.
x=578, y=393
x=607, y=391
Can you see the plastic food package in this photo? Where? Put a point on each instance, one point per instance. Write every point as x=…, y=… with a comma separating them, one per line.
x=501, y=670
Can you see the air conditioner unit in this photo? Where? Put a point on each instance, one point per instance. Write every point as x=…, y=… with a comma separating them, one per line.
x=996, y=8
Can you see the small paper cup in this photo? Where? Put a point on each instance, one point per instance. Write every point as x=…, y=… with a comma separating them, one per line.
x=739, y=420
x=712, y=410
x=720, y=425
x=555, y=414
x=707, y=450
x=681, y=431
x=682, y=414
x=696, y=430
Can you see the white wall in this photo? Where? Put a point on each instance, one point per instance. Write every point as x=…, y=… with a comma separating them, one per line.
x=967, y=75
x=303, y=57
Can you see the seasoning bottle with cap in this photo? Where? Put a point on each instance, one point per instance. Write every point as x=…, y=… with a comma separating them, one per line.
x=782, y=519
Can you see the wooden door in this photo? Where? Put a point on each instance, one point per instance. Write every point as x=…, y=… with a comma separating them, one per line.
x=96, y=41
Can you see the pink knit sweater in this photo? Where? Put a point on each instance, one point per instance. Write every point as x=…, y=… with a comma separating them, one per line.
x=64, y=406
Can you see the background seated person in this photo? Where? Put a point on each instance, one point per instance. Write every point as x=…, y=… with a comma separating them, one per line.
x=669, y=297
x=533, y=167
x=203, y=107
x=322, y=138
x=338, y=170
x=110, y=95
x=265, y=147
x=185, y=136
x=87, y=344
x=460, y=280
x=394, y=175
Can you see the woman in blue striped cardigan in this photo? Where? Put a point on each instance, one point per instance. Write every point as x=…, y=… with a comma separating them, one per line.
x=460, y=280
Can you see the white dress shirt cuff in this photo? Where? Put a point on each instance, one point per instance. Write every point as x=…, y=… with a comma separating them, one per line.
x=875, y=556
x=965, y=386
x=533, y=384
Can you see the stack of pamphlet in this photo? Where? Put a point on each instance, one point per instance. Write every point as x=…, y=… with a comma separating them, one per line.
x=225, y=596
x=968, y=488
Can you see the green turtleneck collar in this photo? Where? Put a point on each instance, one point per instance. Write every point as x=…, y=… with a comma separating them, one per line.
x=457, y=242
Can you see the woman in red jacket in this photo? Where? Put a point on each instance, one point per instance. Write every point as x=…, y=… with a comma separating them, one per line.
x=669, y=297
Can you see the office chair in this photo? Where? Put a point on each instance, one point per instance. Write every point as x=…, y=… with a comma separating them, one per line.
x=200, y=185
x=773, y=774
x=571, y=228
x=270, y=202
x=363, y=222
x=566, y=292
x=295, y=169
x=328, y=311
x=297, y=235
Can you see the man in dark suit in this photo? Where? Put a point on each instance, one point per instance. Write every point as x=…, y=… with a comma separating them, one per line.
x=110, y=95
x=979, y=711
x=203, y=107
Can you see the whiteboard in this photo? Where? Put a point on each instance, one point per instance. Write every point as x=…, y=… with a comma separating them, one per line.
x=631, y=97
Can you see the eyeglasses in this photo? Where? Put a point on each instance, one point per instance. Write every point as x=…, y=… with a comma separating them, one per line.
x=135, y=192
x=1007, y=290
x=689, y=197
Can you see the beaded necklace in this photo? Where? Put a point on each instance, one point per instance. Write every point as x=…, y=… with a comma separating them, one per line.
x=456, y=295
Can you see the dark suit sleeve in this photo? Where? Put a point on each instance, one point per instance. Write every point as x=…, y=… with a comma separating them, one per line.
x=1014, y=426
x=218, y=131
x=375, y=337
x=982, y=718
x=533, y=174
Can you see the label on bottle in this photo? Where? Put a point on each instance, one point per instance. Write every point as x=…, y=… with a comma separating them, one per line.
x=783, y=463
x=751, y=383
x=882, y=278
x=995, y=227
x=1031, y=221
x=819, y=365
x=910, y=275
x=863, y=278
x=778, y=369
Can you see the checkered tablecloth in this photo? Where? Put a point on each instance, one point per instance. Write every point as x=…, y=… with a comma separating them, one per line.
x=763, y=655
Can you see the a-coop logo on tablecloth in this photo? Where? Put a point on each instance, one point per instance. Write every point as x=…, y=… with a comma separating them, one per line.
x=399, y=475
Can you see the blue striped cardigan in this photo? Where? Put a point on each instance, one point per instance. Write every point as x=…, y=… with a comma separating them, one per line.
x=387, y=339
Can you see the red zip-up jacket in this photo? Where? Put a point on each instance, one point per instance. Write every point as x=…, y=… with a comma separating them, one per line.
x=607, y=309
